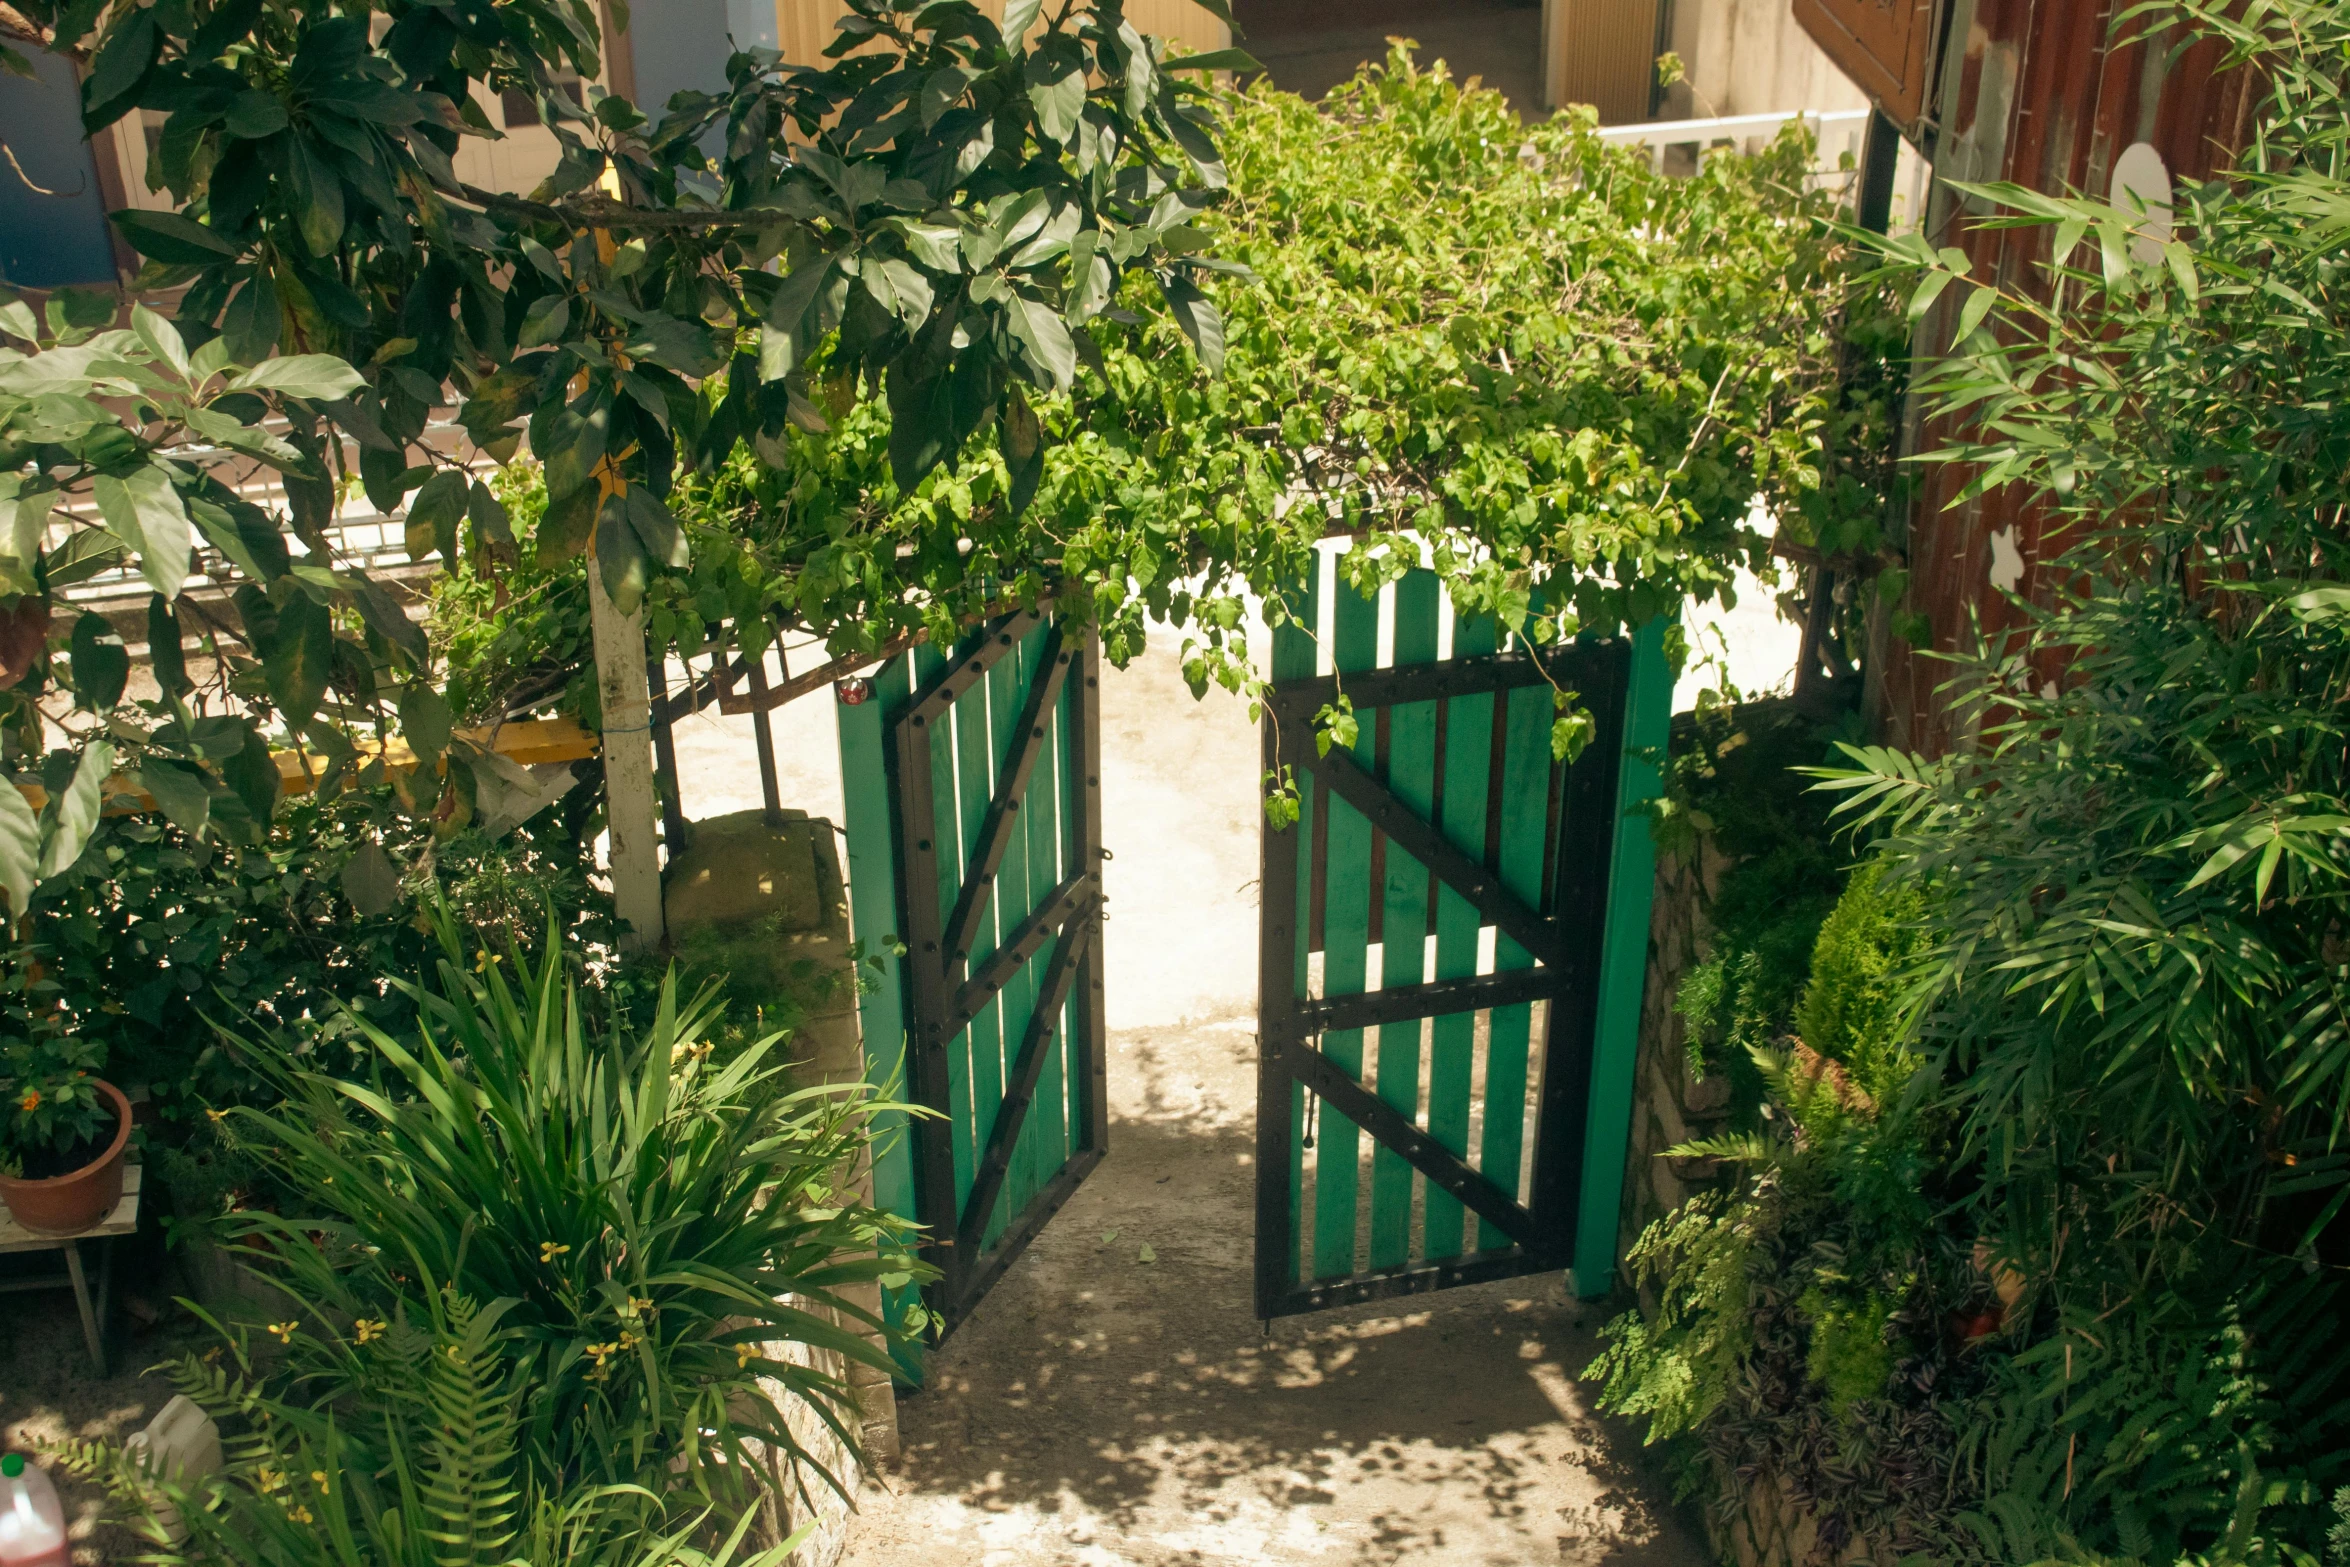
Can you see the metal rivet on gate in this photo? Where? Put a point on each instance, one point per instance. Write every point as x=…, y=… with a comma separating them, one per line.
x=1011, y=805
x=918, y=720
x=1038, y=731
x=930, y=946
x=1095, y=782
x=1089, y=680
x=923, y=845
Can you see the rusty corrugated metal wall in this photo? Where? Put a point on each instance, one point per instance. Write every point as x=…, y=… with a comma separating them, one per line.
x=2031, y=91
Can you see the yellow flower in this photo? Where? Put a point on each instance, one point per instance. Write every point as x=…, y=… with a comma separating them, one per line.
x=284, y=1331
x=269, y=1479
x=299, y=1514
x=549, y=1251
x=628, y=1341
x=368, y=1328
x=318, y=1478
x=742, y=1355
x=217, y=1116
x=30, y=1102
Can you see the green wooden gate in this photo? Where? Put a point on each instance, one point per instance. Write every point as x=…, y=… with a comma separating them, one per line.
x=973, y=799
x=1454, y=937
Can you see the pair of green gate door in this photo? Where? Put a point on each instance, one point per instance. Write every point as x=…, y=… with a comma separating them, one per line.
x=1453, y=942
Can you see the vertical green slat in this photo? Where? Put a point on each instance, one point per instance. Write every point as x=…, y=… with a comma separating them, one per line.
x=974, y=777
x=1411, y=778
x=873, y=915
x=1346, y=940
x=1525, y=820
x=1007, y=691
x=1452, y=1047
x=1293, y=659
x=1067, y=765
x=948, y=855
x=1623, y=966
x=1047, y=1135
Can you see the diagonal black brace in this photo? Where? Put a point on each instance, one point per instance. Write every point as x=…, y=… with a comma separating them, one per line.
x=1437, y=998
x=1584, y=666
x=1408, y=831
x=1394, y=1130
x=1003, y=812
x=937, y=697
x=987, y=1183
x=1022, y=944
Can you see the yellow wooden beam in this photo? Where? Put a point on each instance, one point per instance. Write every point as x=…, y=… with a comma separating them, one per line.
x=527, y=742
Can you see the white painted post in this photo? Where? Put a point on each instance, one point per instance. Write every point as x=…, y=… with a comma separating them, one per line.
x=631, y=803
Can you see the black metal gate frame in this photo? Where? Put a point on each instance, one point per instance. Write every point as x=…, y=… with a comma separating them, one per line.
x=943, y=992
x=1565, y=943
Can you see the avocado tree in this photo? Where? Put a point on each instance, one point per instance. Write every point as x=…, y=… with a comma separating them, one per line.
x=942, y=210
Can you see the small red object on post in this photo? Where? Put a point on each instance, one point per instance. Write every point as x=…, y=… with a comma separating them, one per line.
x=853, y=690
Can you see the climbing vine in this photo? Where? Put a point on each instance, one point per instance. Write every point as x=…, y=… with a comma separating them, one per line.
x=1510, y=352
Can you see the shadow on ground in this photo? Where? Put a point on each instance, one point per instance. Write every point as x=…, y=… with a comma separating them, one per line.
x=1100, y=1408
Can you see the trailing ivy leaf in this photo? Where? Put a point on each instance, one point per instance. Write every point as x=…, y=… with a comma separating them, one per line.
x=101, y=664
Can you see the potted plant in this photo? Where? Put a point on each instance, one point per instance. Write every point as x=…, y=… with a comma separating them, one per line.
x=63, y=1130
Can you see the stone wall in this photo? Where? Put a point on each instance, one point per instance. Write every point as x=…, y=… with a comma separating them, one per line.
x=765, y=902
x=1669, y=1106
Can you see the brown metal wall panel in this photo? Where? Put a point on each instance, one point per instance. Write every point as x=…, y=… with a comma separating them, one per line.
x=2032, y=91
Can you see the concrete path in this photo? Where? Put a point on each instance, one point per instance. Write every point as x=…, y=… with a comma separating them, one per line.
x=1103, y=1408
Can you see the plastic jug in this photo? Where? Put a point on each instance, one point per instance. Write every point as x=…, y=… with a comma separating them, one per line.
x=180, y=1445
x=32, y=1523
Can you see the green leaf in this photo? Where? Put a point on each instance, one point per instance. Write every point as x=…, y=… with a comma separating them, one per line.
x=180, y=792
x=162, y=339
x=371, y=881
x=295, y=658
x=20, y=849
x=1928, y=291
x=620, y=559
x=322, y=377
x=251, y=774
x=384, y=616
x=1970, y=315
x=318, y=197
x=173, y=238
x=1051, y=350
x=250, y=329
x=144, y=511
x=656, y=529
x=77, y=810
x=1214, y=60
x=1019, y=16
x=102, y=666
x=433, y=514
x=164, y=653
x=426, y=720
x=253, y=114
x=1199, y=318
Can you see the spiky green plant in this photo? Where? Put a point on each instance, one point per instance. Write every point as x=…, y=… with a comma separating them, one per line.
x=658, y=1228
x=416, y=1462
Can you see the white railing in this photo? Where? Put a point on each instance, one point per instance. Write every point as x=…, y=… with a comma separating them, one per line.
x=1839, y=131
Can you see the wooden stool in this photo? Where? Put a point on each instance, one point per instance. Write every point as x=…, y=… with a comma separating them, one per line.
x=122, y=1221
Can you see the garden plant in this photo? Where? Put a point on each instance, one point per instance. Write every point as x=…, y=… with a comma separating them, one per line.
x=2039, y=1252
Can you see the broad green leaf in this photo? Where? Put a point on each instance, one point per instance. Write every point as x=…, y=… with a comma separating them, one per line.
x=77, y=810
x=144, y=511
x=173, y=238
x=20, y=849
x=162, y=340
x=1199, y=318
x=433, y=514
x=318, y=376
x=295, y=657
x=180, y=793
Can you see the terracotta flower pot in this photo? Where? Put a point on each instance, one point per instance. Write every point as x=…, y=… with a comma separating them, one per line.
x=77, y=1200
